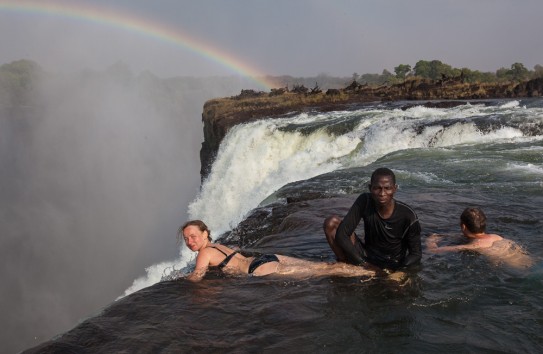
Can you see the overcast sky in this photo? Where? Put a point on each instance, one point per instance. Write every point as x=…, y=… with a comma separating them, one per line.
x=280, y=37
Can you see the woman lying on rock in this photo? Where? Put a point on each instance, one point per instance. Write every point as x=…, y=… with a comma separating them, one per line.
x=197, y=237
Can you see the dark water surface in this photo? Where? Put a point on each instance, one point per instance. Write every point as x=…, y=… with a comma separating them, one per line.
x=469, y=307
x=451, y=303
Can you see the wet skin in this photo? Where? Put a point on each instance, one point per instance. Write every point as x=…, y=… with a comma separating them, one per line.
x=382, y=191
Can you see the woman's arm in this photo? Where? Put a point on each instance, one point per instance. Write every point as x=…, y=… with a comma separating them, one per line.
x=202, y=263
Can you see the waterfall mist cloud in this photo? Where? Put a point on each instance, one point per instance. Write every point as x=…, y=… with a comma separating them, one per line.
x=97, y=171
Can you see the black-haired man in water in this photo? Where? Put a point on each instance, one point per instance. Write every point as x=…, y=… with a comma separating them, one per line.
x=391, y=228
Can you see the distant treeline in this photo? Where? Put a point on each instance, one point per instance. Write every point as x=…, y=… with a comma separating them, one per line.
x=434, y=70
x=17, y=78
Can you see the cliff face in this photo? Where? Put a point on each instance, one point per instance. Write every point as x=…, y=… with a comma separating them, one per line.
x=221, y=114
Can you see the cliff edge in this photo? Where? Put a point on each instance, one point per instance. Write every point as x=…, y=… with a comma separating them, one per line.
x=221, y=114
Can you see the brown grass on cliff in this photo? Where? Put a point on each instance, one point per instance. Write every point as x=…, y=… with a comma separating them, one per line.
x=250, y=104
x=226, y=108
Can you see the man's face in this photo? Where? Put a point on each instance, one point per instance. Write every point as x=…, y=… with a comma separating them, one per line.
x=382, y=190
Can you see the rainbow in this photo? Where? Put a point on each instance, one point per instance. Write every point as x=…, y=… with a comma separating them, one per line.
x=142, y=26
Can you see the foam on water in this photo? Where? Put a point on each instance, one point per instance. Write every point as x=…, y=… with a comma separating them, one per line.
x=393, y=135
x=511, y=104
x=529, y=169
x=154, y=274
x=428, y=177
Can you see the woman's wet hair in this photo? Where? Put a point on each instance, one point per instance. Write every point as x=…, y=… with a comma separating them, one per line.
x=198, y=223
x=474, y=219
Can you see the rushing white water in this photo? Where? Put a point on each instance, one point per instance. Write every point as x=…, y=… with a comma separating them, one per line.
x=256, y=159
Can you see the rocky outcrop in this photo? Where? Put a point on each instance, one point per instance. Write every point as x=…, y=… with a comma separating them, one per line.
x=532, y=88
x=221, y=114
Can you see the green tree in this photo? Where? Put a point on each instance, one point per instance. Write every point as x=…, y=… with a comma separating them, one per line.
x=473, y=76
x=386, y=77
x=518, y=72
x=370, y=78
x=478, y=76
x=402, y=70
x=538, y=71
x=502, y=74
x=434, y=69
x=422, y=68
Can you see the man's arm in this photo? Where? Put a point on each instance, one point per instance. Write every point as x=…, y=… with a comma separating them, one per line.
x=452, y=248
x=414, y=245
x=431, y=241
x=346, y=229
x=431, y=244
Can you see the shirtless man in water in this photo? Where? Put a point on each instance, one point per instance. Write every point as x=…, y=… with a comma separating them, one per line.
x=197, y=238
x=495, y=247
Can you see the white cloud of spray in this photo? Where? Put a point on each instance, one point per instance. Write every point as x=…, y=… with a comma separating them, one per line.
x=97, y=174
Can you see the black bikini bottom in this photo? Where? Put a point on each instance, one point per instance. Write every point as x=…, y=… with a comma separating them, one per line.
x=260, y=260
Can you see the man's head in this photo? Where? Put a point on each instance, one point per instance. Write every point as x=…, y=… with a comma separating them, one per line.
x=383, y=186
x=382, y=172
x=474, y=220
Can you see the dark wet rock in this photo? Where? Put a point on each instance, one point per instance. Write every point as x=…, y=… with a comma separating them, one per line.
x=285, y=217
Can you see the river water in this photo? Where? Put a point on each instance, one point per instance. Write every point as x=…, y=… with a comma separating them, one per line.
x=272, y=184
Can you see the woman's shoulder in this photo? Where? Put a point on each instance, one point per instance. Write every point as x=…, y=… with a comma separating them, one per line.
x=212, y=250
x=213, y=253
